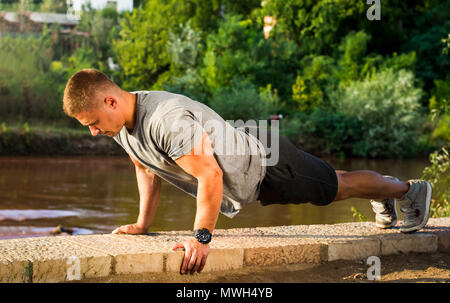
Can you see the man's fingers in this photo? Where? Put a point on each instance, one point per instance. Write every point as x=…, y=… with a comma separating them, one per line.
x=118, y=230
x=198, y=263
x=186, y=260
x=127, y=229
x=202, y=264
x=192, y=262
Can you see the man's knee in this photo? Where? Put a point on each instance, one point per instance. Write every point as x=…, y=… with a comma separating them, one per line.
x=340, y=171
x=344, y=187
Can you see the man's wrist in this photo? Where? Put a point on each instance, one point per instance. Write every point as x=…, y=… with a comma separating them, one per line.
x=203, y=235
x=143, y=225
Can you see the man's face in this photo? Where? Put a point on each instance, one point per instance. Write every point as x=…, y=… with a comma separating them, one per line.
x=102, y=120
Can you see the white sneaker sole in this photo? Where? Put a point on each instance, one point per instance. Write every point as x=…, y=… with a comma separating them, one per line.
x=425, y=217
x=383, y=226
x=387, y=226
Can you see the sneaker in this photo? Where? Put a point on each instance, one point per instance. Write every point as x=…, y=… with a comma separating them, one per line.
x=415, y=205
x=385, y=211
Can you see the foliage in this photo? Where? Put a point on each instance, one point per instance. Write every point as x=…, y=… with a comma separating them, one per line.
x=29, y=88
x=241, y=100
x=190, y=84
x=345, y=85
x=239, y=48
x=356, y=213
x=440, y=100
x=438, y=174
x=353, y=48
x=54, y=6
x=310, y=88
x=425, y=39
x=141, y=47
x=315, y=26
x=387, y=104
x=323, y=131
x=183, y=46
x=96, y=50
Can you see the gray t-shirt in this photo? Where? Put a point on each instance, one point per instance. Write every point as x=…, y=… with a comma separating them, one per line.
x=168, y=126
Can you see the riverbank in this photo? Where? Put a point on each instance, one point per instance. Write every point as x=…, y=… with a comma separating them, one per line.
x=22, y=141
x=149, y=258
x=46, y=140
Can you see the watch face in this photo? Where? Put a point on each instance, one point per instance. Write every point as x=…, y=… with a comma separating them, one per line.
x=203, y=235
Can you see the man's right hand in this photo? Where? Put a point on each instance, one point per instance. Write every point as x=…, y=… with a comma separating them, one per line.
x=132, y=229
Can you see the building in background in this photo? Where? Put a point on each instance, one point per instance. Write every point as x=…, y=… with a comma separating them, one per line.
x=75, y=7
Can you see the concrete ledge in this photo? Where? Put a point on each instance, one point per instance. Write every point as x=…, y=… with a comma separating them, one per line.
x=66, y=258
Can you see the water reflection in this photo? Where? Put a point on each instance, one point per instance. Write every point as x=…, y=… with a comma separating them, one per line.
x=100, y=193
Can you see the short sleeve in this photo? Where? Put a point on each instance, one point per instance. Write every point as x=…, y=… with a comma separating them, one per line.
x=179, y=132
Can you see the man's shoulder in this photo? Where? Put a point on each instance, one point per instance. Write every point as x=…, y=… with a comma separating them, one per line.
x=165, y=104
x=162, y=97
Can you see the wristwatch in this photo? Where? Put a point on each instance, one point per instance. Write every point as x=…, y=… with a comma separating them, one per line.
x=203, y=235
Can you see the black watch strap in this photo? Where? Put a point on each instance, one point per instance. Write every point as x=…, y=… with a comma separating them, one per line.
x=203, y=235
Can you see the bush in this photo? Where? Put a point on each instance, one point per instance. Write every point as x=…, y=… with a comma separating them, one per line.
x=387, y=105
x=323, y=132
x=240, y=101
x=309, y=90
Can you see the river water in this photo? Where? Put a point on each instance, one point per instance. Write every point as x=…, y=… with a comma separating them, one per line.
x=97, y=194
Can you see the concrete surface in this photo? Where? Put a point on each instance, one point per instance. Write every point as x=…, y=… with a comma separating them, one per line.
x=68, y=258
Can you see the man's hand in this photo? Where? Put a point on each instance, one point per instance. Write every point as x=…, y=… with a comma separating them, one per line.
x=132, y=229
x=195, y=254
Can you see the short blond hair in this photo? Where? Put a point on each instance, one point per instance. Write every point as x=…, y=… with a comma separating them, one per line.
x=82, y=89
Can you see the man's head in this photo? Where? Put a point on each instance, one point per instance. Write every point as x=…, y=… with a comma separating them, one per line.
x=95, y=101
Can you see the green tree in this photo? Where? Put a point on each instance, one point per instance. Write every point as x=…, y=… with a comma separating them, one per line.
x=315, y=26
x=311, y=88
x=425, y=39
x=184, y=47
x=238, y=48
x=141, y=48
x=103, y=28
x=353, y=49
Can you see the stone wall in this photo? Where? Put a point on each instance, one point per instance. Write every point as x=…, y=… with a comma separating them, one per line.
x=68, y=258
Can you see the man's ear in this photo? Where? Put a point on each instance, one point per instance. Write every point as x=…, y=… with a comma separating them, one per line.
x=110, y=102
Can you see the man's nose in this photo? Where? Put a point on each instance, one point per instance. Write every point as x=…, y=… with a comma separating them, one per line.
x=94, y=130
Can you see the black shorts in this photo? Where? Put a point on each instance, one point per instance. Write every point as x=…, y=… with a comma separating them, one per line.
x=298, y=177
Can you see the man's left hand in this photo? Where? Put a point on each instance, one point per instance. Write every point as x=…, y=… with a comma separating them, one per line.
x=195, y=254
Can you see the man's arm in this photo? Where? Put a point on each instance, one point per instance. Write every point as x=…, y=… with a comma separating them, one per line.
x=149, y=186
x=201, y=164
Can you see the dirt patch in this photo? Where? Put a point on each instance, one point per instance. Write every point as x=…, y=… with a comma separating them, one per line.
x=417, y=267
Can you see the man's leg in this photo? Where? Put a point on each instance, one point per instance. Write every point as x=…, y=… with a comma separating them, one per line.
x=368, y=184
x=414, y=195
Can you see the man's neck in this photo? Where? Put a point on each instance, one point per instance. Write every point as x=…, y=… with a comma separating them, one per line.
x=130, y=113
